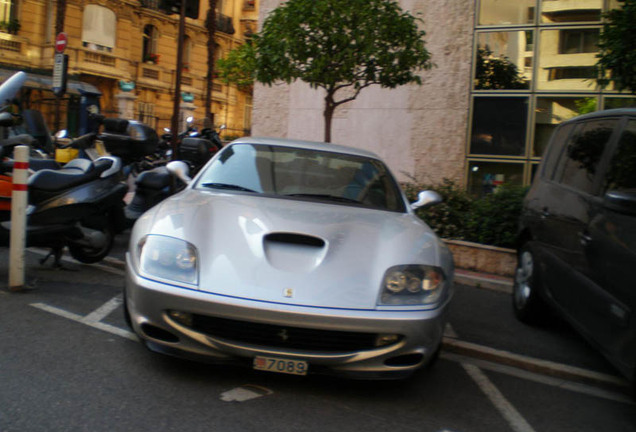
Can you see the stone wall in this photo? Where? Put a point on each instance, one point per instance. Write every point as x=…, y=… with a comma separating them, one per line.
x=420, y=131
x=483, y=258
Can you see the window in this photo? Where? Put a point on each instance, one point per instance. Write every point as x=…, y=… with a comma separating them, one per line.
x=502, y=62
x=150, y=44
x=621, y=174
x=551, y=111
x=99, y=28
x=147, y=113
x=187, y=54
x=578, y=41
x=499, y=126
x=498, y=12
x=558, y=141
x=583, y=153
x=486, y=177
x=7, y=10
x=568, y=11
x=566, y=59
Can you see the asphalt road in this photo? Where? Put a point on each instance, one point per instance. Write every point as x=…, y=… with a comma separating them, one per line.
x=68, y=363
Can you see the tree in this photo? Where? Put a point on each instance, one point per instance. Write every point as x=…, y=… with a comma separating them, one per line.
x=340, y=46
x=497, y=73
x=617, y=48
x=238, y=67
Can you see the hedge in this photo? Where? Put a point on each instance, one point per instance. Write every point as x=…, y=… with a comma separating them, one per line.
x=492, y=219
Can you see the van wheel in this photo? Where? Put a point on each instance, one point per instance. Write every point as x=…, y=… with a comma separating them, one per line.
x=527, y=303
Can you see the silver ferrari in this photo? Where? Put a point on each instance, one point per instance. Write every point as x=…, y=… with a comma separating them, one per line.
x=293, y=257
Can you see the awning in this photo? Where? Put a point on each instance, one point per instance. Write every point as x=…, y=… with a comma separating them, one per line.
x=45, y=82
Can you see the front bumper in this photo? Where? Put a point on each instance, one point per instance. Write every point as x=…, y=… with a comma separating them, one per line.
x=148, y=303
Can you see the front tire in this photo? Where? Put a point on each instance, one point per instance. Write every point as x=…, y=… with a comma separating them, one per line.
x=88, y=255
x=527, y=303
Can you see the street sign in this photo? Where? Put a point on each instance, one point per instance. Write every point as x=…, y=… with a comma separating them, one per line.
x=60, y=42
x=60, y=68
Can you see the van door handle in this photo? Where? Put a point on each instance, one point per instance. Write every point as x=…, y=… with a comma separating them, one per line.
x=584, y=238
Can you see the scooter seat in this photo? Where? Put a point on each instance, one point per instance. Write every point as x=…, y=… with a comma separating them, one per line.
x=155, y=179
x=73, y=174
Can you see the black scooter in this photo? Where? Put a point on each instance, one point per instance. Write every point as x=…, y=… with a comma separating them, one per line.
x=79, y=206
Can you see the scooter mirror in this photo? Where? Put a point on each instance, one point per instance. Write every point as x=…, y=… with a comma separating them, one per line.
x=222, y=127
x=61, y=134
x=180, y=170
x=189, y=120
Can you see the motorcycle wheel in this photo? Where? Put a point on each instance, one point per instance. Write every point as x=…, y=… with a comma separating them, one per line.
x=89, y=255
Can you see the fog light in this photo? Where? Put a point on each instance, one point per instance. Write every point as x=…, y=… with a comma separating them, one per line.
x=386, y=339
x=184, y=318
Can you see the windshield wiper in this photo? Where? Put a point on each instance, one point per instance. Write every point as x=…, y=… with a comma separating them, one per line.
x=325, y=197
x=227, y=186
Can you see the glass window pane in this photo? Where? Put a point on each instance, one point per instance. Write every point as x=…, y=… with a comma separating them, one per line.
x=567, y=58
x=485, y=177
x=499, y=126
x=583, y=153
x=550, y=112
x=504, y=60
x=498, y=12
x=565, y=11
x=622, y=172
x=620, y=103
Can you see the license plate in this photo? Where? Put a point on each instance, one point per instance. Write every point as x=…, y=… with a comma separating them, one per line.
x=273, y=364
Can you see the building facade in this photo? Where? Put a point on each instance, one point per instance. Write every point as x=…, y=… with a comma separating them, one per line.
x=506, y=74
x=125, y=51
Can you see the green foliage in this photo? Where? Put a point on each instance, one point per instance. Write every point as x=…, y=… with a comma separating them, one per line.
x=492, y=219
x=238, y=67
x=447, y=219
x=617, y=48
x=585, y=105
x=493, y=73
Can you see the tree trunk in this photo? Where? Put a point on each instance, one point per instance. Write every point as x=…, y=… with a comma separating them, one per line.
x=330, y=107
x=211, y=27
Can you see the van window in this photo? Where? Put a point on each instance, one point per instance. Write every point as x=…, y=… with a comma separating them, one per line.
x=583, y=153
x=556, y=147
x=621, y=174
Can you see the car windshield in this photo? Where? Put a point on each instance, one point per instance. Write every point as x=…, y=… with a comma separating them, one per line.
x=301, y=173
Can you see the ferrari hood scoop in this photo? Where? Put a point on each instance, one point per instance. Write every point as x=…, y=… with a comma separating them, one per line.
x=294, y=252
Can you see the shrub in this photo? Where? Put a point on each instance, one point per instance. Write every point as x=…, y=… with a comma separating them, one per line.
x=492, y=219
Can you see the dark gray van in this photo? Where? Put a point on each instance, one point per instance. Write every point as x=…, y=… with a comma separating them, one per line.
x=577, y=250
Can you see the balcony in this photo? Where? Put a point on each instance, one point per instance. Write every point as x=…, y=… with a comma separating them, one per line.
x=224, y=24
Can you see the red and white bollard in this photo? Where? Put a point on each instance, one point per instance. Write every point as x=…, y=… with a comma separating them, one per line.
x=19, y=199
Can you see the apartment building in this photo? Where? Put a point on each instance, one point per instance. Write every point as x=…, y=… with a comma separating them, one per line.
x=123, y=54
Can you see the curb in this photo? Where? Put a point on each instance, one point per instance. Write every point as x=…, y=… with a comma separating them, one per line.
x=482, y=280
x=530, y=364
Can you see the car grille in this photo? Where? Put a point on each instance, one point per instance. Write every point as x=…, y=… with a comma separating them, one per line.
x=284, y=336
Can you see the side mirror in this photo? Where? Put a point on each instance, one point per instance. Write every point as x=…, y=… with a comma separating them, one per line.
x=427, y=198
x=222, y=127
x=61, y=134
x=623, y=201
x=189, y=120
x=180, y=170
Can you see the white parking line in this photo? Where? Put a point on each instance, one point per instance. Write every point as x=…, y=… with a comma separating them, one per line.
x=505, y=408
x=104, y=310
x=89, y=322
x=509, y=412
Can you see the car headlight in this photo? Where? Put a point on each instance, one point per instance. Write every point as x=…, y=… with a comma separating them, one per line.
x=168, y=258
x=411, y=285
